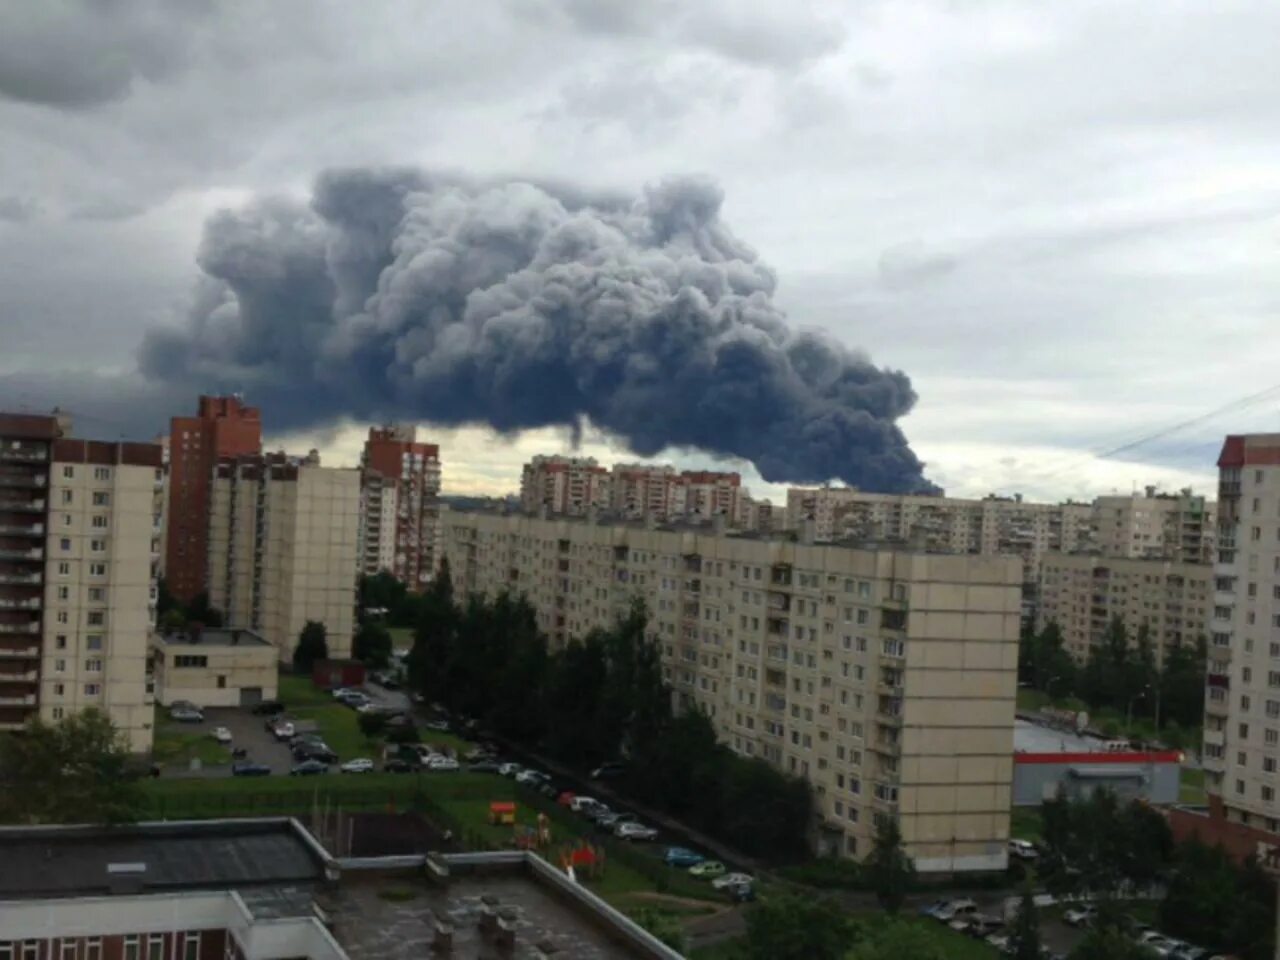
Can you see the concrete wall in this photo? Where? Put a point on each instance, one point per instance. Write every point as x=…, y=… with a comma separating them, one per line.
x=1034, y=783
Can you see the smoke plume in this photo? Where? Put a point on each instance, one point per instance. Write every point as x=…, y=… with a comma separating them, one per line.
x=402, y=294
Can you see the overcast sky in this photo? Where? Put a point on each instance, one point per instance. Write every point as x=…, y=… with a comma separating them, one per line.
x=1060, y=220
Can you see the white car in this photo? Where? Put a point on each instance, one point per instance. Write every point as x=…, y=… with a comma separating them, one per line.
x=1080, y=916
x=442, y=763
x=1023, y=850
x=222, y=734
x=581, y=804
x=630, y=830
x=510, y=769
x=359, y=765
x=954, y=909
x=732, y=880
x=283, y=731
x=339, y=692
x=532, y=778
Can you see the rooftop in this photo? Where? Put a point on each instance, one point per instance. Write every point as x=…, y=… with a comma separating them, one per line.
x=1031, y=737
x=39, y=862
x=214, y=638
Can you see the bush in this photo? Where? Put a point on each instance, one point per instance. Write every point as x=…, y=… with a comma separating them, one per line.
x=827, y=872
x=372, y=724
x=402, y=734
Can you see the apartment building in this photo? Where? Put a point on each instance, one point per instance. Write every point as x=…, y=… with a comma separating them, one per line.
x=400, y=504
x=758, y=516
x=568, y=486
x=1242, y=702
x=1083, y=593
x=222, y=427
x=79, y=550
x=283, y=547
x=883, y=675
x=1167, y=526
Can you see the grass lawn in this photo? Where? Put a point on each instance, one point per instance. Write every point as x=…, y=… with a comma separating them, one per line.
x=733, y=949
x=177, y=744
x=1024, y=823
x=401, y=637
x=1191, y=787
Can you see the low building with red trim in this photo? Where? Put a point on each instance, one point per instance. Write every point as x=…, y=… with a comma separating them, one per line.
x=1046, y=759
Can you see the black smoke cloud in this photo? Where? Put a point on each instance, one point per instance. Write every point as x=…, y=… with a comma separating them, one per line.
x=403, y=294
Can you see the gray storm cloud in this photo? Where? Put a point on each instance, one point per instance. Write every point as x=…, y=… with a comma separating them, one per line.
x=518, y=305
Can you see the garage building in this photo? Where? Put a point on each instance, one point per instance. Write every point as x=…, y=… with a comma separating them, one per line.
x=214, y=668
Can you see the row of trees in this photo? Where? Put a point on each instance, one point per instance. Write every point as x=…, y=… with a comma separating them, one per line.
x=1119, y=674
x=601, y=698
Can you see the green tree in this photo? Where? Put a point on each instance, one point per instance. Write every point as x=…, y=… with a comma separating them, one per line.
x=1105, y=943
x=1182, y=685
x=788, y=927
x=313, y=646
x=199, y=611
x=434, y=638
x=1024, y=935
x=172, y=621
x=165, y=600
x=897, y=940
x=372, y=644
x=372, y=724
x=664, y=926
x=76, y=770
x=889, y=869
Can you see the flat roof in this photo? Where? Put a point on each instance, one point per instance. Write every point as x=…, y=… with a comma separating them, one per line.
x=38, y=862
x=217, y=637
x=1031, y=737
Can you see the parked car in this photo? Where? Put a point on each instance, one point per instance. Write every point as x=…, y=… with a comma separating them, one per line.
x=581, y=803
x=707, y=869
x=976, y=925
x=550, y=790
x=359, y=765
x=1000, y=941
x=441, y=763
x=308, y=768
x=613, y=818
x=599, y=811
x=339, y=692
x=186, y=715
x=356, y=700
x=222, y=735
x=681, y=857
x=630, y=830
x=247, y=769
x=741, y=892
x=935, y=909
x=397, y=765
x=532, y=778
x=1080, y=916
x=267, y=708
x=948, y=910
x=731, y=879
x=609, y=771
x=484, y=766
x=314, y=751
x=440, y=726
x=1189, y=952
x=510, y=769
x=283, y=731
x=1023, y=850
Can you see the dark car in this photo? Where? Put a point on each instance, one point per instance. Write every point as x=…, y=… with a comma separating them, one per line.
x=398, y=766
x=484, y=766
x=267, y=708
x=308, y=768
x=741, y=892
x=248, y=769
x=609, y=771
x=314, y=751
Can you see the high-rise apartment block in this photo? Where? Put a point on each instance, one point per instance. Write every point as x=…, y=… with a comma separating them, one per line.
x=1155, y=525
x=885, y=676
x=222, y=427
x=282, y=547
x=400, y=505
x=1242, y=702
x=79, y=550
x=567, y=486
x=1083, y=594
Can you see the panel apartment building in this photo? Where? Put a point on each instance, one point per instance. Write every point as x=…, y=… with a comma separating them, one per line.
x=564, y=486
x=283, y=547
x=1242, y=701
x=399, y=504
x=222, y=427
x=1083, y=593
x=884, y=676
x=79, y=550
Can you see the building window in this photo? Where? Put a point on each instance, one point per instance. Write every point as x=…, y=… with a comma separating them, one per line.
x=93, y=948
x=93, y=665
x=59, y=689
x=190, y=946
x=58, y=713
x=93, y=641
x=67, y=496
x=96, y=618
x=100, y=522
x=64, y=617
x=68, y=949
x=60, y=666
x=92, y=689
x=97, y=569
x=64, y=593
x=101, y=498
x=190, y=661
x=64, y=569
x=1268, y=794
x=98, y=546
x=102, y=473
x=6, y=951
x=1240, y=787
x=69, y=472
x=65, y=543
x=222, y=682
x=155, y=946
x=97, y=595
x=131, y=951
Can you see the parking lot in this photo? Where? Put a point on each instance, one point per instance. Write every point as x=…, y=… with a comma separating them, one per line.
x=248, y=732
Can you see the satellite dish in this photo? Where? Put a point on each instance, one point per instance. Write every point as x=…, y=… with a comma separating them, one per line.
x=1082, y=721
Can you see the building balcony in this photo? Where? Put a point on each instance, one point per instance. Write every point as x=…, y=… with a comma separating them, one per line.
x=1217, y=765
x=20, y=578
x=25, y=653
x=22, y=530
x=27, y=676
x=24, y=454
x=18, y=700
x=1215, y=738
x=34, y=553
x=23, y=628
x=29, y=603
x=22, y=505
x=23, y=480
